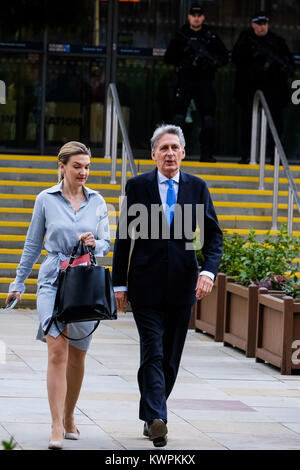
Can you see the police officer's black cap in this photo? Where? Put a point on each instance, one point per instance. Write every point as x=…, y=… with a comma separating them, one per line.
x=260, y=17
x=196, y=9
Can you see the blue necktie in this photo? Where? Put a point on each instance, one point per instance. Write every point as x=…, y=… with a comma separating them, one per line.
x=170, y=202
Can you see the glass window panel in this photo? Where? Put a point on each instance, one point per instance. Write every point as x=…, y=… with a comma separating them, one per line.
x=67, y=22
x=147, y=23
x=19, y=117
x=74, y=100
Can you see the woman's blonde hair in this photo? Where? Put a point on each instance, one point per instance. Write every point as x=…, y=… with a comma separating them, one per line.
x=68, y=150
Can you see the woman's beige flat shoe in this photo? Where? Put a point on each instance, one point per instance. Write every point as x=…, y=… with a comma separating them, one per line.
x=74, y=436
x=55, y=445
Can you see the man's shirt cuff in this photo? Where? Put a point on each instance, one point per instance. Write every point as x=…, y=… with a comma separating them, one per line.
x=120, y=289
x=207, y=273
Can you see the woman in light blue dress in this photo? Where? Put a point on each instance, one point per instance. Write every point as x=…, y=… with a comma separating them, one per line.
x=63, y=214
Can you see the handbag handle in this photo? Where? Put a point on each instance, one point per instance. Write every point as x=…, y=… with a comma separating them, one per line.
x=89, y=249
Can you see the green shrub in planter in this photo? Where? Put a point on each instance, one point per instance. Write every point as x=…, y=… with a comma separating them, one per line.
x=291, y=287
x=259, y=262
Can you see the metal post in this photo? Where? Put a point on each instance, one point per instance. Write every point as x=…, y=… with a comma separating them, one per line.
x=275, y=190
x=124, y=170
x=290, y=211
x=108, y=124
x=114, y=145
x=262, y=150
x=254, y=132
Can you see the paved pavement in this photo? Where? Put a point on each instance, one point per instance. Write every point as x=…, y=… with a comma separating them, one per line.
x=222, y=400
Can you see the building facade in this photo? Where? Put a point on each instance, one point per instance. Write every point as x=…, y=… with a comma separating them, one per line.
x=56, y=65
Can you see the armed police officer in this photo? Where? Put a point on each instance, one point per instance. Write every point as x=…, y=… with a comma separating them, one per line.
x=265, y=63
x=197, y=52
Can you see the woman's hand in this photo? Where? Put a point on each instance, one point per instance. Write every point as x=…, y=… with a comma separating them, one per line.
x=88, y=239
x=11, y=295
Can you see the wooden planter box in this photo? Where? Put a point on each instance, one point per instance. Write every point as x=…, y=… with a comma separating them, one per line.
x=209, y=311
x=240, y=318
x=278, y=326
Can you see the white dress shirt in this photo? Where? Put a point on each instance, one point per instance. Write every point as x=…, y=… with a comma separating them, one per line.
x=163, y=189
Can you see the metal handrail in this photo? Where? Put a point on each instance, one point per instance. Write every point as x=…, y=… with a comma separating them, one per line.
x=261, y=117
x=114, y=120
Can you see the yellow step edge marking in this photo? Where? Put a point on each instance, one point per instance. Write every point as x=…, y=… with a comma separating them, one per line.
x=20, y=210
x=24, y=296
x=41, y=171
x=244, y=179
x=8, y=280
x=245, y=231
x=257, y=218
x=40, y=158
x=18, y=196
x=15, y=265
x=22, y=238
x=46, y=184
x=17, y=251
x=258, y=192
x=50, y=171
x=32, y=197
x=12, y=223
x=262, y=205
x=33, y=158
x=190, y=163
x=13, y=238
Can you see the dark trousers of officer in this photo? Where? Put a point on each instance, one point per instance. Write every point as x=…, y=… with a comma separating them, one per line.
x=162, y=336
x=276, y=110
x=203, y=93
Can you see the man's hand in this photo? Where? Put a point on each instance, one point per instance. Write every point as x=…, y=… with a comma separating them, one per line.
x=204, y=286
x=121, y=300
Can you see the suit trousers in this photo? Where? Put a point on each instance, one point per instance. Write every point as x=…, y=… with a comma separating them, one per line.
x=162, y=332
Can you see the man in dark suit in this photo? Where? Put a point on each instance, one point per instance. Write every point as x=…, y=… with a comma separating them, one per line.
x=163, y=279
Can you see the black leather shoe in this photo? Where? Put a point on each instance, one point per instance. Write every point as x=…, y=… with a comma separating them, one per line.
x=157, y=431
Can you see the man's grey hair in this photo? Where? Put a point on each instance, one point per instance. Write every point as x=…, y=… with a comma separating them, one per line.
x=166, y=129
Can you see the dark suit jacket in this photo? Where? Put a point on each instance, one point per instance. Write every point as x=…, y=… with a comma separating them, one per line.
x=163, y=270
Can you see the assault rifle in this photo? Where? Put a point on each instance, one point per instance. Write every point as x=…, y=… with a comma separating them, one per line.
x=200, y=53
x=266, y=50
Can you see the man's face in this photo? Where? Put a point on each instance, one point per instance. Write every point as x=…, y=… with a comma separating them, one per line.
x=260, y=29
x=196, y=21
x=168, y=154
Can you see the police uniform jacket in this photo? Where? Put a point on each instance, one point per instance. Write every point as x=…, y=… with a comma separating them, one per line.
x=196, y=54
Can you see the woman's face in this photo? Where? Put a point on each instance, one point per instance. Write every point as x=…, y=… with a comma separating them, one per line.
x=76, y=170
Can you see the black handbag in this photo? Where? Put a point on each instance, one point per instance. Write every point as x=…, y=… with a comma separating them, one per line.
x=84, y=293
